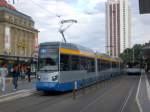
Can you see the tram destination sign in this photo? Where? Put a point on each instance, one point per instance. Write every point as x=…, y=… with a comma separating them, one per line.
x=47, y=52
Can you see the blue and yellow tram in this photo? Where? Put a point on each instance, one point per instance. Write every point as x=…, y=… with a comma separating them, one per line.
x=62, y=64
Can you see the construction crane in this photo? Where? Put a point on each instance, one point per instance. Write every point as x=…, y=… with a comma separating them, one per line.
x=62, y=29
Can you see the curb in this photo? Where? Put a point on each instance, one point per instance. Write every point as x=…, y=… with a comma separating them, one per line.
x=16, y=95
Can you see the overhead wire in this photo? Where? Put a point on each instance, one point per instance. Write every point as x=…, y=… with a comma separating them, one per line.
x=43, y=8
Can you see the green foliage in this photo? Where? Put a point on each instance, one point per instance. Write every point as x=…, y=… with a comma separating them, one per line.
x=133, y=54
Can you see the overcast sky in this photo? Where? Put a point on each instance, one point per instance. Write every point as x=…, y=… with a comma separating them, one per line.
x=90, y=14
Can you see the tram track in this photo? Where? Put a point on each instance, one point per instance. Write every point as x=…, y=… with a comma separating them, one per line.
x=103, y=95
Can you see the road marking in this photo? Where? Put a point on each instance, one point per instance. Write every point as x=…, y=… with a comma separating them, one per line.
x=127, y=98
x=148, y=87
x=137, y=94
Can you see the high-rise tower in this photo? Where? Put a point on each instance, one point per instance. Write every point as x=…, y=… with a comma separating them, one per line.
x=118, y=26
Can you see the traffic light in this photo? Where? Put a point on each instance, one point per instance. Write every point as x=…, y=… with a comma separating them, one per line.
x=144, y=6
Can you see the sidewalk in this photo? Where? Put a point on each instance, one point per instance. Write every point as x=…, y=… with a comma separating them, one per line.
x=143, y=94
x=22, y=85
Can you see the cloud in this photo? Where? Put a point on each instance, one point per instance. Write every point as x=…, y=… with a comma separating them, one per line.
x=90, y=14
x=88, y=29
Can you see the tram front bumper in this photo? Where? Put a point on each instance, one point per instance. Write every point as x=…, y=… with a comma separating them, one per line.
x=46, y=86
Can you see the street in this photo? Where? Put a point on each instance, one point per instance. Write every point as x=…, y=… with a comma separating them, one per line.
x=116, y=95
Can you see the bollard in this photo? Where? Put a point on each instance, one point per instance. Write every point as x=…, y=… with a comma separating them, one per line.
x=10, y=83
x=83, y=89
x=74, y=90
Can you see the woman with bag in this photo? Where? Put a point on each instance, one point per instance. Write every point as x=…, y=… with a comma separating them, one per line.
x=3, y=73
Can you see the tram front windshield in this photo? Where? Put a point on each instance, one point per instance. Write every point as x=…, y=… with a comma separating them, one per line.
x=48, y=61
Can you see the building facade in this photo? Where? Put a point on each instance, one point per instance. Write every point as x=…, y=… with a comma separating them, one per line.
x=18, y=37
x=118, y=26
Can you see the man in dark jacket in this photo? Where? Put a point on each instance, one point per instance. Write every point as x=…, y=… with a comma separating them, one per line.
x=15, y=75
x=29, y=74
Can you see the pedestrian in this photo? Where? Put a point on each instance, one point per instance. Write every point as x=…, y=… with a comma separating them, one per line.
x=29, y=74
x=3, y=74
x=15, y=75
x=22, y=73
x=0, y=77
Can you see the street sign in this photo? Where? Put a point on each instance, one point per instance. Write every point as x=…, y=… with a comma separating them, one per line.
x=144, y=6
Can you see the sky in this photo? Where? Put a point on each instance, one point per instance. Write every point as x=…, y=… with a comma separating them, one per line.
x=89, y=31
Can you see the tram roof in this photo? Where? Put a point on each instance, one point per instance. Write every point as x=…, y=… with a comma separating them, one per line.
x=71, y=46
x=77, y=47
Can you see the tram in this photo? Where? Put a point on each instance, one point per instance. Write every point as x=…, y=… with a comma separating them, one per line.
x=62, y=64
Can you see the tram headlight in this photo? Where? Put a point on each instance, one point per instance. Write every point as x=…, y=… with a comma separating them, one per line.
x=54, y=78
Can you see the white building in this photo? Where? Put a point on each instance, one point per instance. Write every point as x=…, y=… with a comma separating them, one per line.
x=118, y=26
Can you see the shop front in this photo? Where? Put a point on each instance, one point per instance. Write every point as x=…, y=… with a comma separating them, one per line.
x=18, y=61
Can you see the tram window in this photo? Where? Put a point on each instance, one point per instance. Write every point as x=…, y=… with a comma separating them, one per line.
x=114, y=65
x=102, y=65
x=90, y=65
x=93, y=65
x=47, y=61
x=64, y=63
x=99, y=65
x=83, y=63
x=105, y=65
x=108, y=65
x=75, y=62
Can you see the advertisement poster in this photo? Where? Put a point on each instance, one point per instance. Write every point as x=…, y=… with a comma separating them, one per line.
x=7, y=39
x=36, y=47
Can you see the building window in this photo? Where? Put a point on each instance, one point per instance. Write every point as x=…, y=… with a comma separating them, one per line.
x=16, y=20
x=11, y=19
x=25, y=23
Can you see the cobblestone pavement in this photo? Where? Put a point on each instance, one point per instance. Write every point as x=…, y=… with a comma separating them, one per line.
x=22, y=84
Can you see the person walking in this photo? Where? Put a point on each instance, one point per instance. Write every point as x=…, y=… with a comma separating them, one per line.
x=0, y=77
x=15, y=75
x=3, y=74
x=22, y=73
x=29, y=74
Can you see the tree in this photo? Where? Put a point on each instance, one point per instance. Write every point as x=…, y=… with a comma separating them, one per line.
x=132, y=55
